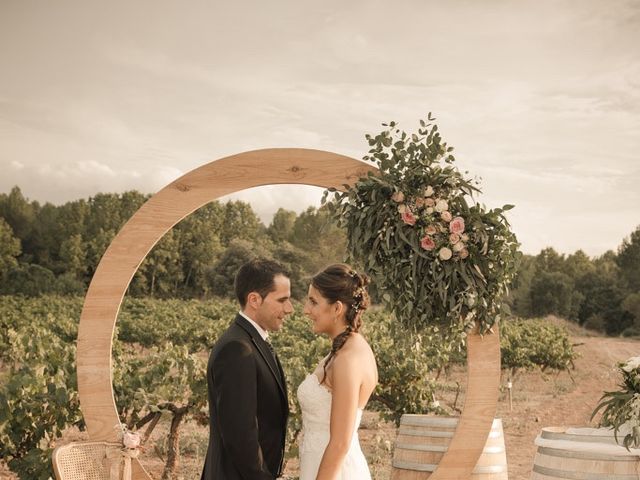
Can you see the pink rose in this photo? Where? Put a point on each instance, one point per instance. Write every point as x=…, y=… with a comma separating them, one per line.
x=408, y=217
x=427, y=243
x=131, y=439
x=398, y=197
x=419, y=202
x=430, y=230
x=445, y=253
x=454, y=238
x=446, y=216
x=457, y=225
x=464, y=253
x=429, y=202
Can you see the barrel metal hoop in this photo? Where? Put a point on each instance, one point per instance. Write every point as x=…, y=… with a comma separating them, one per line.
x=442, y=448
x=421, y=448
x=419, y=421
x=555, y=473
x=490, y=469
x=492, y=450
x=556, y=452
x=578, y=438
x=425, y=433
x=418, y=467
x=428, y=467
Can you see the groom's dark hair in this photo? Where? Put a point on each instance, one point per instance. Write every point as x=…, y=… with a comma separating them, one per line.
x=257, y=275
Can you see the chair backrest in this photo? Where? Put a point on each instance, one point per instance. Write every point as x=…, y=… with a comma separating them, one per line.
x=83, y=460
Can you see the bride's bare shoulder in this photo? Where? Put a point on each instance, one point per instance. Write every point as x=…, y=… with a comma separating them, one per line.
x=355, y=350
x=361, y=344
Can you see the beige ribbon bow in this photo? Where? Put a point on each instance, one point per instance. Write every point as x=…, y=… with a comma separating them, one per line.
x=119, y=459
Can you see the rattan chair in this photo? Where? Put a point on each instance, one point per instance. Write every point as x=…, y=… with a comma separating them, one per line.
x=85, y=460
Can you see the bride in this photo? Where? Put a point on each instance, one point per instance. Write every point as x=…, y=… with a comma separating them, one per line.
x=333, y=397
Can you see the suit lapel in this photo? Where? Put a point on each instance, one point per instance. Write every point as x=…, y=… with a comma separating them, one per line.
x=284, y=382
x=272, y=362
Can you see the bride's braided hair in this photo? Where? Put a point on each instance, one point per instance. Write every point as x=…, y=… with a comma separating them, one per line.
x=339, y=282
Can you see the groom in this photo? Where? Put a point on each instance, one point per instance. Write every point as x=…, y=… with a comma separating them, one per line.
x=248, y=404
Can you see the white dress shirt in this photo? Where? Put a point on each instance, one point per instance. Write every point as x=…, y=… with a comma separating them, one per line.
x=258, y=328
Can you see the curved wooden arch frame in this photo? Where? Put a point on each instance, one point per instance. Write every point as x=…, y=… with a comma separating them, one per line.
x=182, y=197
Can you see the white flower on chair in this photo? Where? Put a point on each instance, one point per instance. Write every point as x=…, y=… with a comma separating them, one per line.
x=131, y=439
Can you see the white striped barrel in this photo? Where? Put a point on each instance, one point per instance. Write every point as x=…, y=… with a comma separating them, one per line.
x=423, y=440
x=591, y=455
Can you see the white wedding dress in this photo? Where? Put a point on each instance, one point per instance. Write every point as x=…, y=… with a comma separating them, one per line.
x=315, y=403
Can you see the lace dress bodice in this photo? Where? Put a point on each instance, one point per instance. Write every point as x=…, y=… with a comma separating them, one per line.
x=315, y=403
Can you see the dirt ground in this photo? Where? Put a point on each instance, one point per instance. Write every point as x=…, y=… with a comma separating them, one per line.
x=555, y=400
x=539, y=400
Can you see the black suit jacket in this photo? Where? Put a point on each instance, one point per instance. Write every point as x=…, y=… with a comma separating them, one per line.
x=248, y=407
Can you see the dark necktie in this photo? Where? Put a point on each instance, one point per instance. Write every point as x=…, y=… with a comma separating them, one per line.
x=273, y=352
x=274, y=356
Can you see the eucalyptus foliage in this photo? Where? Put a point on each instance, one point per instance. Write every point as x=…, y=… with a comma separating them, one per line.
x=621, y=408
x=437, y=256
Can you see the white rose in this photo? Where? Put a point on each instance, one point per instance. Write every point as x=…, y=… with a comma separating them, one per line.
x=430, y=210
x=428, y=191
x=445, y=253
x=470, y=300
x=458, y=246
x=631, y=364
x=402, y=208
x=441, y=206
x=435, y=404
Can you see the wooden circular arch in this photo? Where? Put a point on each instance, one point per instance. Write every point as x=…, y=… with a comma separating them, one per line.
x=182, y=197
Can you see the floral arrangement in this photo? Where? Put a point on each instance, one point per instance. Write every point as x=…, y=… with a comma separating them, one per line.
x=621, y=409
x=436, y=256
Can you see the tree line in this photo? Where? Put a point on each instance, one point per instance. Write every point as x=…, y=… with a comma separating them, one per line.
x=601, y=293
x=49, y=249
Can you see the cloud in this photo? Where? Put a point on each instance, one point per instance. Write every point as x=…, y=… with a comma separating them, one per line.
x=268, y=199
x=161, y=177
x=540, y=98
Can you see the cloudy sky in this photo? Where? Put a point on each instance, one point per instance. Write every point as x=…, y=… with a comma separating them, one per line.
x=540, y=98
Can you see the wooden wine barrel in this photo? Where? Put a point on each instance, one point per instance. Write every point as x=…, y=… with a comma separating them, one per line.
x=423, y=440
x=583, y=454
